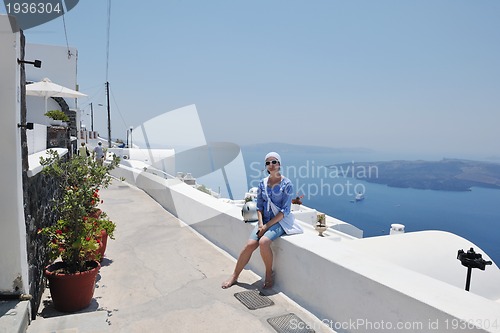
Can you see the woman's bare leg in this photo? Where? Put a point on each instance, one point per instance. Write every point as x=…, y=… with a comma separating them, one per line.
x=243, y=260
x=267, y=257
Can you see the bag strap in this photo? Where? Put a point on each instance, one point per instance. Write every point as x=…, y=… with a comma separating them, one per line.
x=270, y=204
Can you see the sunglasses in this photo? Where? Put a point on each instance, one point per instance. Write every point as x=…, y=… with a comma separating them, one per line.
x=273, y=162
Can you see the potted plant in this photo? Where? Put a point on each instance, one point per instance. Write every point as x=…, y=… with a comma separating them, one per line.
x=74, y=236
x=321, y=223
x=57, y=116
x=104, y=228
x=296, y=202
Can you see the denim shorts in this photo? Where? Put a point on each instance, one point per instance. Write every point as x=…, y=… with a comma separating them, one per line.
x=272, y=233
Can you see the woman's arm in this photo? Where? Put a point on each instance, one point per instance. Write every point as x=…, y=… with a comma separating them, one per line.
x=264, y=227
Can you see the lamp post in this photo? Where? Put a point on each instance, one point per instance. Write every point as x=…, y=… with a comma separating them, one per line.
x=109, y=115
x=131, y=128
x=91, y=117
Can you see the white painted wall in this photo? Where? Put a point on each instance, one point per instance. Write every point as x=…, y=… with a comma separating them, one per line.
x=34, y=160
x=59, y=64
x=345, y=285
x=13, y=258
x=162, y=159
x=36, y=109
x=37, y=138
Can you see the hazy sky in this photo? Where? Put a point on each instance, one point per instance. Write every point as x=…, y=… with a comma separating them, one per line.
x=416, y=75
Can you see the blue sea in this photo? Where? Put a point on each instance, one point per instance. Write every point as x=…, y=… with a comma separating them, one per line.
x=474, y=215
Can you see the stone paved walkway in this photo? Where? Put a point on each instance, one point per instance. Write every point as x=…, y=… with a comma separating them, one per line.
x=161, y=276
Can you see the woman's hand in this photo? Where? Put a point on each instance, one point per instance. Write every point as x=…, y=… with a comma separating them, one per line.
x=262, y=230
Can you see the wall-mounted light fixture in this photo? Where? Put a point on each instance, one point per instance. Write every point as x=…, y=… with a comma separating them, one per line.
x=29, y=126
x=36, y=63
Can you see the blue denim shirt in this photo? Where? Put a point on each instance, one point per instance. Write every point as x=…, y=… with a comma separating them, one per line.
x=281, y=195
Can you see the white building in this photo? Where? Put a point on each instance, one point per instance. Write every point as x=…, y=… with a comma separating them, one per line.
x=17, y=276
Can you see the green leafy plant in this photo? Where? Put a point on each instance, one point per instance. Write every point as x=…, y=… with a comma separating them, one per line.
x=203, y=189
x=321, y=219
x=57, y=115
x=104, y=223
x=74, y=236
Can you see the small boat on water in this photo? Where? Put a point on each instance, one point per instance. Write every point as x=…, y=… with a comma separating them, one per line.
x=359, y=197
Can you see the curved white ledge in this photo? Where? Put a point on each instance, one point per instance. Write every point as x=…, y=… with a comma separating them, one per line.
x=34, y=160
x=409, y=278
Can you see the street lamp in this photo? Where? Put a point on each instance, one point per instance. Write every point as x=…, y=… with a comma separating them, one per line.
x=131, y=128
x=92, y=115
x=36, y=63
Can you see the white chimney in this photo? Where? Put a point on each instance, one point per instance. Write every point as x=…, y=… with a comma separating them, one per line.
x=397, y=229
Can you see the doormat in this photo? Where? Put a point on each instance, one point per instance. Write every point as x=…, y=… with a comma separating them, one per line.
x=289, y=323
x=253, y=299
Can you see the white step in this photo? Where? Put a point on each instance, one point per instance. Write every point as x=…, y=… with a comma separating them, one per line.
x=88, y=322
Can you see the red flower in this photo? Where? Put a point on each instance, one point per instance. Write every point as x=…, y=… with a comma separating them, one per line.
x=87, y=238
x=298, y=199
x=59, y=232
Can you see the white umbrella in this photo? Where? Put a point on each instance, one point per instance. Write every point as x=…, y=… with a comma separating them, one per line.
x=46, y=89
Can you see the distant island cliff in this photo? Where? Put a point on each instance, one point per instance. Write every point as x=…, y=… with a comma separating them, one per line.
x=446, y=175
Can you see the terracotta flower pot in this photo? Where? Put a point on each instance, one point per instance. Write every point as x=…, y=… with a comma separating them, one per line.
x=96, y=213
x=71, y=292
x=104, y=242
